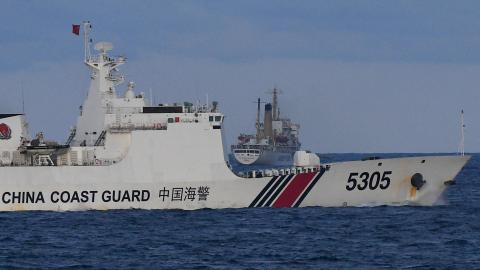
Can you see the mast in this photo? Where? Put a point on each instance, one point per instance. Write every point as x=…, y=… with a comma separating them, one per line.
x=275, y=109
x=101, y=95
x=23, y=97
x=257, y=124
x=275, y=104
x=462, y=138
x=86, y=39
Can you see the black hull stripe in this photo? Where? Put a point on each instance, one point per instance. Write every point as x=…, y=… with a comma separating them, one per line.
x=309, y=188
x=270, y=191
x=263, y=191
x=277, y=192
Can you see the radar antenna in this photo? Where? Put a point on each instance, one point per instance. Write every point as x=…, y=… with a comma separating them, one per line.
x=103, y=47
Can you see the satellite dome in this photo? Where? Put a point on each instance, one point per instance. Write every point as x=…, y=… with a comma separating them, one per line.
x=129, y=94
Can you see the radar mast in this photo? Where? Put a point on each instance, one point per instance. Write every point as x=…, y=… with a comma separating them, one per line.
x=275, y=108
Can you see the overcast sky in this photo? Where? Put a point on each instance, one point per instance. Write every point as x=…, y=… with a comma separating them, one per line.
x=358, y=76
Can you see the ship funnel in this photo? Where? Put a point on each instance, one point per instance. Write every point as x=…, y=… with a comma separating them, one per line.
x=267, y=122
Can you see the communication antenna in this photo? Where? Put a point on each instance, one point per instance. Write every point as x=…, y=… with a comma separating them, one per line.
x=23, y=98
x=151, y=97
x=462, y=138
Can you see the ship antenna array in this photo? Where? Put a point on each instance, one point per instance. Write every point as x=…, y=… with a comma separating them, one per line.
x=462, y=138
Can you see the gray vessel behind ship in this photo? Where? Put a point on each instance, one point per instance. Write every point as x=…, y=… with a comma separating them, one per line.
x=275, y=141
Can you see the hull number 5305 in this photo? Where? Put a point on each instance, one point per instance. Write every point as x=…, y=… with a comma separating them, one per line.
x=373, y=181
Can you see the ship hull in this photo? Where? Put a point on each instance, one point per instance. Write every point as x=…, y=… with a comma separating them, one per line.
x=356, y=183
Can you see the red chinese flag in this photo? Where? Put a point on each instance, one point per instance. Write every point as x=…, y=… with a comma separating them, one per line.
x=76, y=29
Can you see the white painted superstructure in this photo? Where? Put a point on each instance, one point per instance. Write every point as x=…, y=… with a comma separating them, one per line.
x=124, y=154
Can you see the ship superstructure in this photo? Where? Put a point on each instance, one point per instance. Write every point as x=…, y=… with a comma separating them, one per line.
x=275, y=142
x=106, y=121
x=124, y=153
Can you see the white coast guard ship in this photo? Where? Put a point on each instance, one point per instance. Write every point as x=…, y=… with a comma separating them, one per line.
x=124, y=154
x=275, y=141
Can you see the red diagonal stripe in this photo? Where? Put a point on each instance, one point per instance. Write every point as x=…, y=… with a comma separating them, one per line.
x=293, y=190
